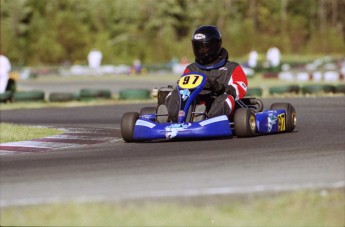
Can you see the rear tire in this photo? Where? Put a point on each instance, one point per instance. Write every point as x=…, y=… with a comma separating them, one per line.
x=127, y=126
x=244, y=122
x=290, y=122
x=148, y=110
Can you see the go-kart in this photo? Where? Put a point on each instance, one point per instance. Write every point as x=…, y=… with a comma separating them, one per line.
x=248, y=118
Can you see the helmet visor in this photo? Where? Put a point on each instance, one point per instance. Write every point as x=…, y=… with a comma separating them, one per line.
x=206, y=51
x=201, y=49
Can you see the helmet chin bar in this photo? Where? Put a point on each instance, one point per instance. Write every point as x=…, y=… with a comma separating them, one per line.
x=219, y=64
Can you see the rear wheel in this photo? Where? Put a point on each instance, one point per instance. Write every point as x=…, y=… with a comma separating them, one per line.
x=127, y=125
x=290, y=122
x=244, y=122
x=148, y=110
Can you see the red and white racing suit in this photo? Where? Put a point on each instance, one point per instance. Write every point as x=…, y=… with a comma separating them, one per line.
x=231, y=84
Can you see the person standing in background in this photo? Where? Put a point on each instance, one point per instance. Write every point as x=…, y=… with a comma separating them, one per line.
x=94, y=58
x=5, y=68
x=253, y=59
x=136, y=67
x=273, y=57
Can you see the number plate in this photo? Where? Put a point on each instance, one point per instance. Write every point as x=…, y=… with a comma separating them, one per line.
x=190, y=81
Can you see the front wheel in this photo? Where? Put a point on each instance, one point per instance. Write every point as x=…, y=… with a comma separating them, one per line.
x=244, y=122
x=127, y=126
x=291, y=118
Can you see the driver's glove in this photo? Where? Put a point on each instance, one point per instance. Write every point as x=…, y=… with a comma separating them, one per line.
x=215, y=86
x=220, y=88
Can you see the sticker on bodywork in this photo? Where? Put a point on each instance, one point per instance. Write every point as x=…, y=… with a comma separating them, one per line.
x=281, y=122
x=185, y=94
x=213, y=120
x=145, y=123
x=190, y=81
x=272, y=120
x=174, y=129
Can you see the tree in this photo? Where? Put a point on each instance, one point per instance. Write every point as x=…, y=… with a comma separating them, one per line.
x=48, y=32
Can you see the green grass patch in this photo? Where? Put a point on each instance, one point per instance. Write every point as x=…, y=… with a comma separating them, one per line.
x=304, y=208
x=13, y=132
x=91, y=102
x=170, y=77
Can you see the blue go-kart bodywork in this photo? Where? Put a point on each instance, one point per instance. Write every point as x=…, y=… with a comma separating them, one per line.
x=248, y=119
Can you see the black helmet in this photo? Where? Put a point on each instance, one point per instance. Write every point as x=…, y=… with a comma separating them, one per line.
x=207, y=44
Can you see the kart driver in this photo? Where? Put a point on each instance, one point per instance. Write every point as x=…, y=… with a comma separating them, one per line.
x=225, y=79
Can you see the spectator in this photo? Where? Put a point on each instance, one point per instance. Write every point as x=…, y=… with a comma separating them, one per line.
x=273, y=57
x=94, y=58
x=136, y=68
x=5, y=68
x=253, y=59
x=184, y=60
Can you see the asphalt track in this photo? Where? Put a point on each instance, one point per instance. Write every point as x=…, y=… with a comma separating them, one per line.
x=313, y=156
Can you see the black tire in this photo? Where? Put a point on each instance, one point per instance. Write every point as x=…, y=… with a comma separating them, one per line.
x=11, y=85
x=314, y=89
x=278, y=90
x=340, y=88
x=127, y=126
x=89, y=94
x=291, y=119
x=244, y=122
x=28, y=96
x=295, y=89
x=259, y=106
x=130, y=94
x=148, y=110
x=284, y=89
x=254, y=92
x=6, y=96
x=62, y=97
x=162, y=94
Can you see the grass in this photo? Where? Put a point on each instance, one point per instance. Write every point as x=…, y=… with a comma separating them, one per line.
x=94, y=102
x=131, y=78
x=12, y=132
x=303, y=208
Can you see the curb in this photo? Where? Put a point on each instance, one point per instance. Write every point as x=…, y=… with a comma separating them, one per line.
x=72, y=137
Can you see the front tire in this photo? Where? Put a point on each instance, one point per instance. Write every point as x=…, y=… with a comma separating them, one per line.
x=127, y=126
x=291, y=119
x=244, y=122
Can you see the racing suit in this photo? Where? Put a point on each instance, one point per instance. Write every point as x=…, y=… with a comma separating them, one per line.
x=225, y=79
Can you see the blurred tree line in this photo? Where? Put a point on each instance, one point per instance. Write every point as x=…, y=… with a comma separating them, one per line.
x=35, y=32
